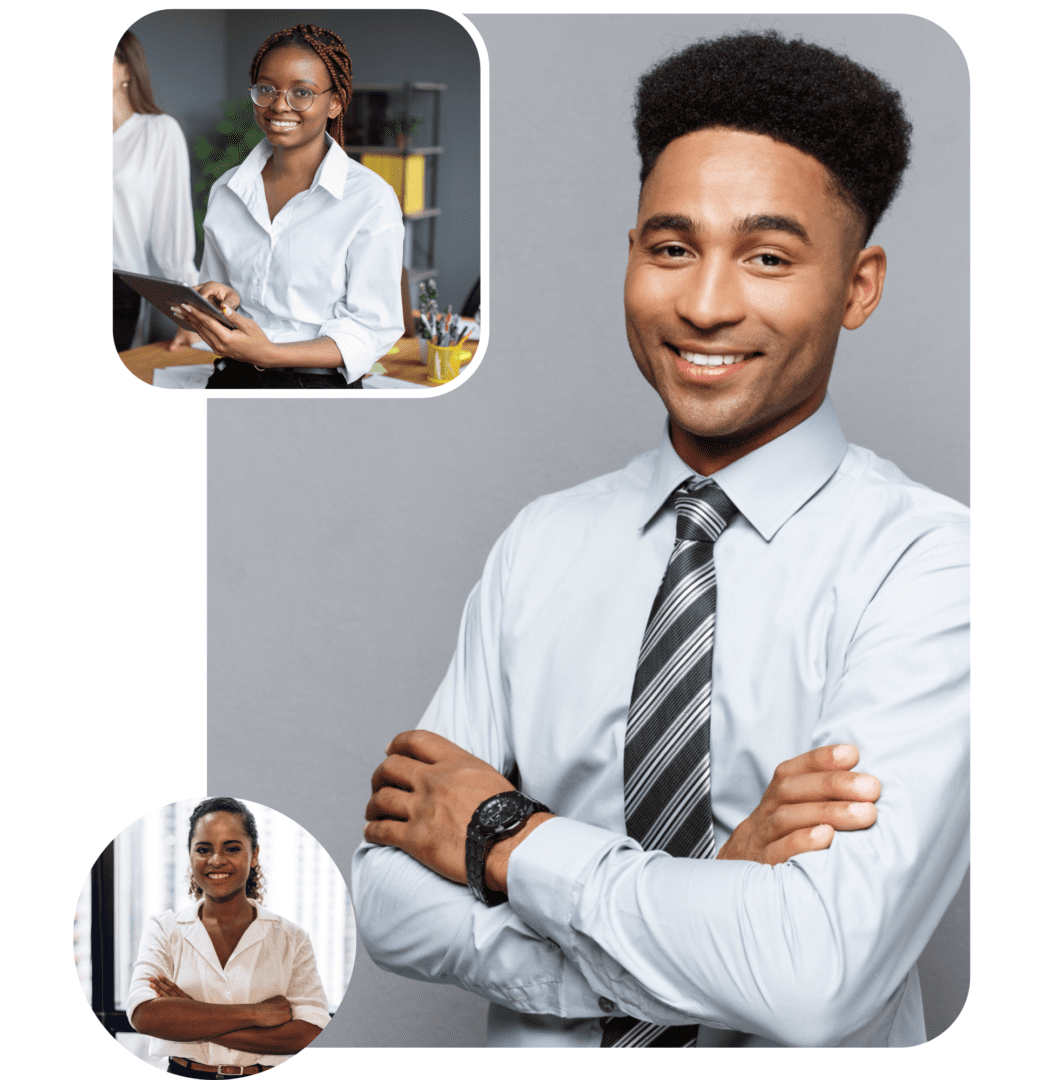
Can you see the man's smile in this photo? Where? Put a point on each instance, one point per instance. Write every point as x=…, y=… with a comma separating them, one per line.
x=711, y=365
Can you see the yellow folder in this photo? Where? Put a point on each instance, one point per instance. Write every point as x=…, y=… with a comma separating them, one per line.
x=406, y=176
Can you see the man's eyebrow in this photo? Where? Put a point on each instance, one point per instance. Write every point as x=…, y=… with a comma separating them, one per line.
x=771, y=223
x=669, y=223
x=751, y=224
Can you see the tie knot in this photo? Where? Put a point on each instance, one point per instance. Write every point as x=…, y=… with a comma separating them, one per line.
x=703, y=512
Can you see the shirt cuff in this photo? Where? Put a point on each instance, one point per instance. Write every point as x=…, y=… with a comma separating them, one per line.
x=359, y=352
x=138, y=997
x=312, y=1014
x=545, y=873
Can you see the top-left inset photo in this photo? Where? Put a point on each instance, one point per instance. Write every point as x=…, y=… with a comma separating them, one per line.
x=296, y=199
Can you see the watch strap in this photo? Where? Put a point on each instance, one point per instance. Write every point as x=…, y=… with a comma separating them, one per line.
x=482, y=835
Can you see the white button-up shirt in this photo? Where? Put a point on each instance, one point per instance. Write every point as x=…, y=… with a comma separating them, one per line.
x=152, y=219
x=329, y=265
x=842, y=616
x=273, y=957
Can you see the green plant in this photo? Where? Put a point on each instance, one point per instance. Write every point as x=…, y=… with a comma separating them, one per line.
x=232, y=141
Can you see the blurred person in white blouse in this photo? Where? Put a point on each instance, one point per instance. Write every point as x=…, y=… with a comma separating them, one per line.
x=303, y=246
x=225, y=982
x=152, y=220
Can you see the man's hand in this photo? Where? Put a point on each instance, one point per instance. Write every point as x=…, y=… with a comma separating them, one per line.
x=810, y=798
x=423, y=797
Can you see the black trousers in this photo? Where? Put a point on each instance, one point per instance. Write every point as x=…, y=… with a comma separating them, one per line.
x=125, y=309
x=234, y=375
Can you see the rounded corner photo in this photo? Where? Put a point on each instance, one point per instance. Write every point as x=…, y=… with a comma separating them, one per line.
x=296, y=200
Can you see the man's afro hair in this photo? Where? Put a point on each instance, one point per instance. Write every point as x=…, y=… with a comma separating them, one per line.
x=818, y=101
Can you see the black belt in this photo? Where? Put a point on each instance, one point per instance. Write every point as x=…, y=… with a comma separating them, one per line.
x=221, y=363
x=219, y=1070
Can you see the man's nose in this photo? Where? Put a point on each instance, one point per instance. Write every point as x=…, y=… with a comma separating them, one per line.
x=710, y=294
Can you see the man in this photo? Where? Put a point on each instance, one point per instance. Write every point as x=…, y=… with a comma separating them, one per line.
x=643, y=721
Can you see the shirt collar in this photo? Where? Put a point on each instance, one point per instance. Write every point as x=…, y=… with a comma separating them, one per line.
x=769, y=484
x=331, y=173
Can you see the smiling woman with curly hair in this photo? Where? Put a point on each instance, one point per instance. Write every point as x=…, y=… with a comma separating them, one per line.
x=224, y=982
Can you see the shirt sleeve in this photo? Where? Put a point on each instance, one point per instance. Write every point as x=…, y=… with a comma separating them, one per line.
x=172, y=234
x=154, y=957
x=418, y=924
x=368, y=320
x=807, y=952
x=306, y=992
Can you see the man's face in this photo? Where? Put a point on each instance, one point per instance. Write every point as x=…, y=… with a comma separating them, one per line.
x=742, y=253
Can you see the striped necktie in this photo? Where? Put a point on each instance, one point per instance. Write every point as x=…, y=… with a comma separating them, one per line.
x=666, y=764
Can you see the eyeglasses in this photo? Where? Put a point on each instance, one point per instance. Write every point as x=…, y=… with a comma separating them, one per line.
x=298, y=98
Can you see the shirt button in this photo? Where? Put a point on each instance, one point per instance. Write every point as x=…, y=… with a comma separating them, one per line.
x=605, y=1005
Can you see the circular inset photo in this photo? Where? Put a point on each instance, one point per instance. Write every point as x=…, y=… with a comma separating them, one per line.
x=215, y=933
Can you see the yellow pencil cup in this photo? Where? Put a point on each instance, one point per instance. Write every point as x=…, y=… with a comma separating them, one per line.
x=444, y=362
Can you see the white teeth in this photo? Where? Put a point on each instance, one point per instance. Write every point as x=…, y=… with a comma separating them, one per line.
x=706, y=360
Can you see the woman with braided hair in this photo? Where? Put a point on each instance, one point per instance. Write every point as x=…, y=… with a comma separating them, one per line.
x=224, y=982
x=303, y=246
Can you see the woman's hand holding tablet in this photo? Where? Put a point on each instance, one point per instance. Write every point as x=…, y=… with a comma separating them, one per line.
x=247, y=342
x=217, y=294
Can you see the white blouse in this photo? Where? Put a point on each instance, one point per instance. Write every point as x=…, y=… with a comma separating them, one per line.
x=152, y=219
x=328, y=265
x=273, y=957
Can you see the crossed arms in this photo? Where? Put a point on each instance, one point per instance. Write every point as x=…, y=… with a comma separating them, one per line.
x=266, y=1027
x=808, y=951
x=279, y=1023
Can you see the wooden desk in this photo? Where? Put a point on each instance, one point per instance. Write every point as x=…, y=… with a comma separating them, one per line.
x=143, y=361
x=402, y=363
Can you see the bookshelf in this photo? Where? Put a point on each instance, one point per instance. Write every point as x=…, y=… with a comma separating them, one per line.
x=410, y=166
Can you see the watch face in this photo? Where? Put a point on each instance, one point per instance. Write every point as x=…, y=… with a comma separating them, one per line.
x=503, y=812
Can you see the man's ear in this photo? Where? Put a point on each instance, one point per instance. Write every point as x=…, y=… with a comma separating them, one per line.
x=865, y=289
x=630, y=241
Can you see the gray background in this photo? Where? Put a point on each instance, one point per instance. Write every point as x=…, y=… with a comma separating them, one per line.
x=197, y=59
x=345, y=534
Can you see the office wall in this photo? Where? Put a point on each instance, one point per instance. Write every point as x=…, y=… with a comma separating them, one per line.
x=200, y=58
x=187, y=59
x=345, y=534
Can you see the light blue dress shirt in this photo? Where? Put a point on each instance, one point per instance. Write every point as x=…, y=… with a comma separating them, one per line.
x=842, y=616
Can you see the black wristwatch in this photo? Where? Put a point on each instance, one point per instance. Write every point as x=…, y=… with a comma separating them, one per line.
x=499, y=817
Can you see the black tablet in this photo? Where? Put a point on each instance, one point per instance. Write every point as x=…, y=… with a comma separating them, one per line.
x=167, y=295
